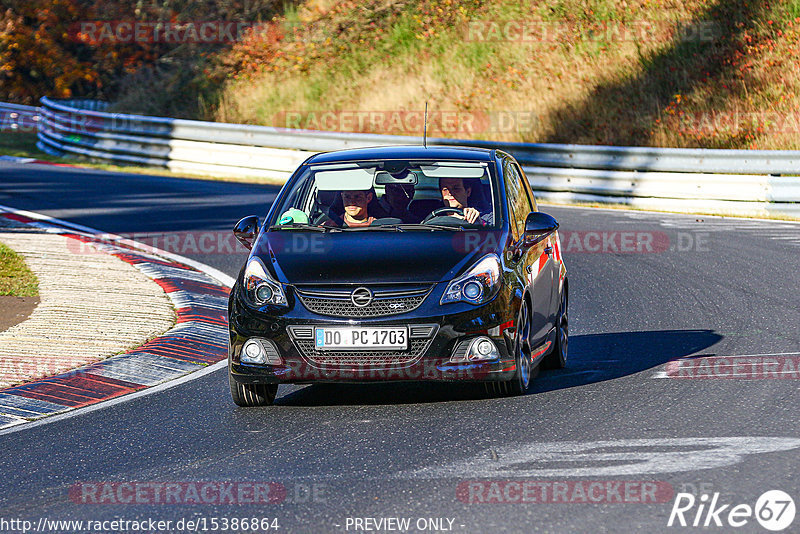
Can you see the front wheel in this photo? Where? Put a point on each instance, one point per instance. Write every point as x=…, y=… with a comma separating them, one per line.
x=521, y=381
x=252, y=394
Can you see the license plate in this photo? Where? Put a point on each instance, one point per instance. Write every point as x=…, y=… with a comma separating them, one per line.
x=354, y=338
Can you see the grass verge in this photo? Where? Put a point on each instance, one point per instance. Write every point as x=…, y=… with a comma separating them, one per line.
x=16, y=280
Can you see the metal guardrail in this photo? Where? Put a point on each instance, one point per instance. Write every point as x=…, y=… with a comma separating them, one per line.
x=18, y=118
x=743, y=182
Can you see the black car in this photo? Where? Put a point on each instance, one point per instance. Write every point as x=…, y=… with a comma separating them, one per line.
x=398, y=263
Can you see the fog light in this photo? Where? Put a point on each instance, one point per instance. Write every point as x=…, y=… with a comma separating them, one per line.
x=475, y=350
x=260, y=351
x=252, y=352
x=482, y=349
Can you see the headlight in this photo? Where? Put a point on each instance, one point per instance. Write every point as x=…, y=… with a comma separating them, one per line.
x=260, y=288
x=478, y=285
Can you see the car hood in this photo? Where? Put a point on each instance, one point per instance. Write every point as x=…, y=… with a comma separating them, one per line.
x=303, y=257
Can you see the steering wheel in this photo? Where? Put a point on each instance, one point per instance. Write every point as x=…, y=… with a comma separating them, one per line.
x=438, y=212
x=320, y=218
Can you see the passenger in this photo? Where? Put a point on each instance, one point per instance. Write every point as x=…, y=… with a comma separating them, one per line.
x=456, y=194
x=355, y=209
x=396, y=199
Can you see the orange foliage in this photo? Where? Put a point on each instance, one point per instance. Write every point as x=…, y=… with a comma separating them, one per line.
x=34, y=59
x=42, y=51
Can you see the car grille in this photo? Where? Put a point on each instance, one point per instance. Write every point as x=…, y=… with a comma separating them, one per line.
x=386, y=301
x=363, y=357
x=420, y=336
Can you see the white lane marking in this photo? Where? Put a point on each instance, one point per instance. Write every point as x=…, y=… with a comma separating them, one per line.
x=16, y=159
x=694, y=356
x=784, y=232
x=642, y=214
x=705, y=368
x=624, y=457
x=210, y=271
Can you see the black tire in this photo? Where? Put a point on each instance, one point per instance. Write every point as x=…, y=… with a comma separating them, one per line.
x=252, y=394
x=521, y=381
x=557, y=359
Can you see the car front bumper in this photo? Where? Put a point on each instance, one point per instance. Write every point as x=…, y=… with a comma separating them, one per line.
x=428, y=358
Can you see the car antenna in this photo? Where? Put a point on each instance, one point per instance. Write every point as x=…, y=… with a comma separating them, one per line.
x=425, y=128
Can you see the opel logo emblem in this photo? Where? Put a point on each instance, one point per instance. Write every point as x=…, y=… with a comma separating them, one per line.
x=361, y=296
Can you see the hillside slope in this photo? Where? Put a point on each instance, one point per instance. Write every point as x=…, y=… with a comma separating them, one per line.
x=639, y=72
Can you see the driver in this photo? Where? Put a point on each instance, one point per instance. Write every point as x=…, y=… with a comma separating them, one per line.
x=455, y=194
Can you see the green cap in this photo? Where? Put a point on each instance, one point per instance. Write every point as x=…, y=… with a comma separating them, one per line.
x=293, y=215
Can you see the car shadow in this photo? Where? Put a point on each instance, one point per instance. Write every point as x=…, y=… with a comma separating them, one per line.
x=593, y=358
x=599, y=357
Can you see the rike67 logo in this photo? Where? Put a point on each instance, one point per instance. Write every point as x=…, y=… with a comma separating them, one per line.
x=774, y=510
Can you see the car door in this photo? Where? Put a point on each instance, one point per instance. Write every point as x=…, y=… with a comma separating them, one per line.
x=552, y=261
x=529, y=266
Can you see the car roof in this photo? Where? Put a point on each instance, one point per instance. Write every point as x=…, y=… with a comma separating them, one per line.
x=405, y=152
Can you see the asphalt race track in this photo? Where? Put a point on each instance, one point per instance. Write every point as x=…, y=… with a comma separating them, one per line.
x=604, y=445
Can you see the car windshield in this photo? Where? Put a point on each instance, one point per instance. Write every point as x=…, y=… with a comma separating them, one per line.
x=390, y=195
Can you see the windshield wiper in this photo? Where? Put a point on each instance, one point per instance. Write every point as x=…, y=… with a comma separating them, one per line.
x=419, y=226
x=304, y=226
x=383, y=227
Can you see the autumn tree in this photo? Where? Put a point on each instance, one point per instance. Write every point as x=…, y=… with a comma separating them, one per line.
x=43, y=50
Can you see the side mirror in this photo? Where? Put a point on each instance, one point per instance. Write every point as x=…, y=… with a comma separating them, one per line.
x=538, y=227
x=246, y=231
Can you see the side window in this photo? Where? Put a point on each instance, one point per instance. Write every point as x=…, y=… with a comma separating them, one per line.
x=527, y=187
x=300, y=199
x=518, y=201
x=516, y=227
